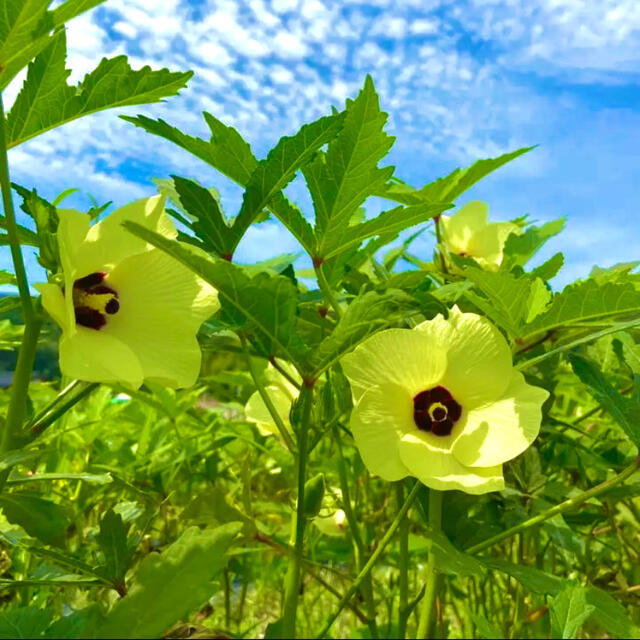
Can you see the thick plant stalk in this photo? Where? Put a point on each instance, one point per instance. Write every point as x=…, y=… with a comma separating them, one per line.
x=26, y=357
x=293, y=577
x=431, y=575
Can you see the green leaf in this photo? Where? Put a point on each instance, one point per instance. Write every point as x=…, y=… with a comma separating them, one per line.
x=619, y=271
x=231, y=155
x=452, y=561
x=625, y=411
x=112, y=539
x=24, y=31
x=72, y=8
x=278, y=169
x=610, y=615
x=213, y=506
x=25, y=26
x=509, y=301
x=569, y=611
x=343, y=178
x=264, y=305
x=170, y=585
x=365, y=315
x=92, y=478
x=210, y=224
x=550, y=268
x=586, y=301
x=388, y=222
x=7, y=278
x=449, y=188
x=83, y=623
x=226, y=151
x=484, y=628
x=18, y=456
x=530, y=578
x=47, y=101
x=24, y=622
x=45, y=216
x=519, y=249
x=40, y=518
x=293, y=219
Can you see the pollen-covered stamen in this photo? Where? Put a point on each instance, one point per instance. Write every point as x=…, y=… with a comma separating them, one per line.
x=92, y=299
x=436, y=410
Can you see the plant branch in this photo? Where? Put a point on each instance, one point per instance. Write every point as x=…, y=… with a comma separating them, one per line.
x=282, y=429
x=431, y=575
x=294, y=571
x=326, y=291
x=567, y=505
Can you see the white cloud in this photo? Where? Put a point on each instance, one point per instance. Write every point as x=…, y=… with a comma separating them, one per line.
x=424, y=27
x=266, y=66
x=289, y=45
x=281, y=75
x=126, y=29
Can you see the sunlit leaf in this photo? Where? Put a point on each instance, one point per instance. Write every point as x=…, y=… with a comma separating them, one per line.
x=569, y=611
x=343, y=178
x=47, y=101
x=625, y=411
x=170, y=585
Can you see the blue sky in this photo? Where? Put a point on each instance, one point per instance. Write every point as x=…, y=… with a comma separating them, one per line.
x=461, y=80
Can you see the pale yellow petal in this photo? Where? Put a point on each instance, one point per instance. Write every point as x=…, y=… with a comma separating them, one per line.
x=429, y=458
x=162, y=305
x=414, y=360
x=459, y=229
x=54, y=303
x=108, y=242
x=275, y=377
x=256, y=410
x=73, y=227
x=486, y=244
x=478, y=358
x=95, y=356
x=501, y=430
x=378, y=422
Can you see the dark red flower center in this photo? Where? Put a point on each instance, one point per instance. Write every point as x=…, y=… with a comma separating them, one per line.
x=93, y=299
x=436, y=410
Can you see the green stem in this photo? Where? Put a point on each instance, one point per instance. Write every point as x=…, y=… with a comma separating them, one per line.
x=373, y=558
x=293, y=577
x=326, y=291
x=443, y=264
x=35, y=428
x=17, y=410
x=431, y=576
x=359, y=548
x=282, y=429
x=284, y=373
x=11, y=225
x=49, y=407
x=567, y=505
x=403, y=579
